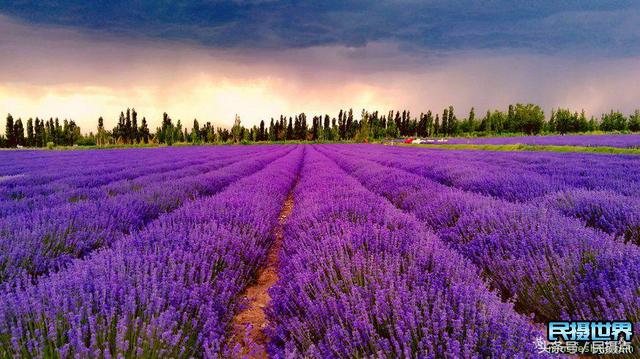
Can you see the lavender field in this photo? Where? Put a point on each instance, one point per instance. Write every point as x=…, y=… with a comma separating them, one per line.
x=620, y=141
x=386, y=252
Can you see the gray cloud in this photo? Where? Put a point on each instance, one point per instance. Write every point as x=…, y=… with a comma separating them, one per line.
x=53, y=71
x=568, y=27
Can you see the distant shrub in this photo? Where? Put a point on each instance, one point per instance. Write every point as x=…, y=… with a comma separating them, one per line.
x=86, y=141
x=51, y=145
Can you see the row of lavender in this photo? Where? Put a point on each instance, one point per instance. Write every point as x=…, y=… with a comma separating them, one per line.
x=56, y=184
x=92, y=186
x=601, y=190
x=42, y=167
x=622, y=141
x=484, y=171
x=360, y=275
x=169, y=290
x=550, y=265
x=48, y=235
x=359, y=278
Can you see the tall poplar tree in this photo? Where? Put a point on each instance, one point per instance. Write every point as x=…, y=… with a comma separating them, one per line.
x=9, y=132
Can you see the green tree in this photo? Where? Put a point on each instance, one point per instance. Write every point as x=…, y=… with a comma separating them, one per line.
x=613, y=121
x=593, y=124
x=562, y=120
x=527, y=118
x=470, y=123
x=66, y=134
x=510, y=124
x=30, y=133
x=429, y=124
x=272, y=131
x=634, y=121
x=178, y=135
x=350, y=125
x=74, y=133
x=289, y=135
x=36, y=136
x=101, y=135
x=119, y=132
x=452, y=122
x=363, y=133
x=582, y=125
x=58, y=133
x=128, y=128
x=444, y=128
x=391, y=130
x=9, y=132
x=135, y=135
x=166, y=133
x=422, y=126
x=236, y=130
x=195, y=132
x=18, y=133
x=261, y=133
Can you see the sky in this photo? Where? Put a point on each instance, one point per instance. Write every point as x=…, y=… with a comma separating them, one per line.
x=211, y=59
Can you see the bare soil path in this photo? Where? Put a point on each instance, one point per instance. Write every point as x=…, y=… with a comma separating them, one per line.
x=253, y=342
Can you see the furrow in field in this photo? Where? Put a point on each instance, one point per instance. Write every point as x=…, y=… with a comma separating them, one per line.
x=249, y=325
x=603, y=209
x=56, y=166
x=360, y=278
x=500, y=174
x=170, y=290
x=103, y=176
x=32, y=246
x=106, y=189
x=548, y=264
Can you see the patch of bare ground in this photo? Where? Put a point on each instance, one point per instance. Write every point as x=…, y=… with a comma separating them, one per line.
x=249, y=324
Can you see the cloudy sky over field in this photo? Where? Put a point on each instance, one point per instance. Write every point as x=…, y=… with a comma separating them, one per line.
x=210, y=59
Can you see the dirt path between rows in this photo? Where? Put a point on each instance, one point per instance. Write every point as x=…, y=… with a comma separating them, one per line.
x=253, y=343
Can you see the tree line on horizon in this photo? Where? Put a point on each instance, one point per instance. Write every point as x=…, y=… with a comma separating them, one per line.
x=526, y=119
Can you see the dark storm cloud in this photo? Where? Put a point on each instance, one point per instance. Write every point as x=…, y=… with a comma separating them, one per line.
x=566, y=26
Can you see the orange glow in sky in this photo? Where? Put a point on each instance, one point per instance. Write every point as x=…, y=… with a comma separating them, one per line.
x=57, y=72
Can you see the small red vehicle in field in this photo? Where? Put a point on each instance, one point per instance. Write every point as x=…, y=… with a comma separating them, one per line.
x=408, y=140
